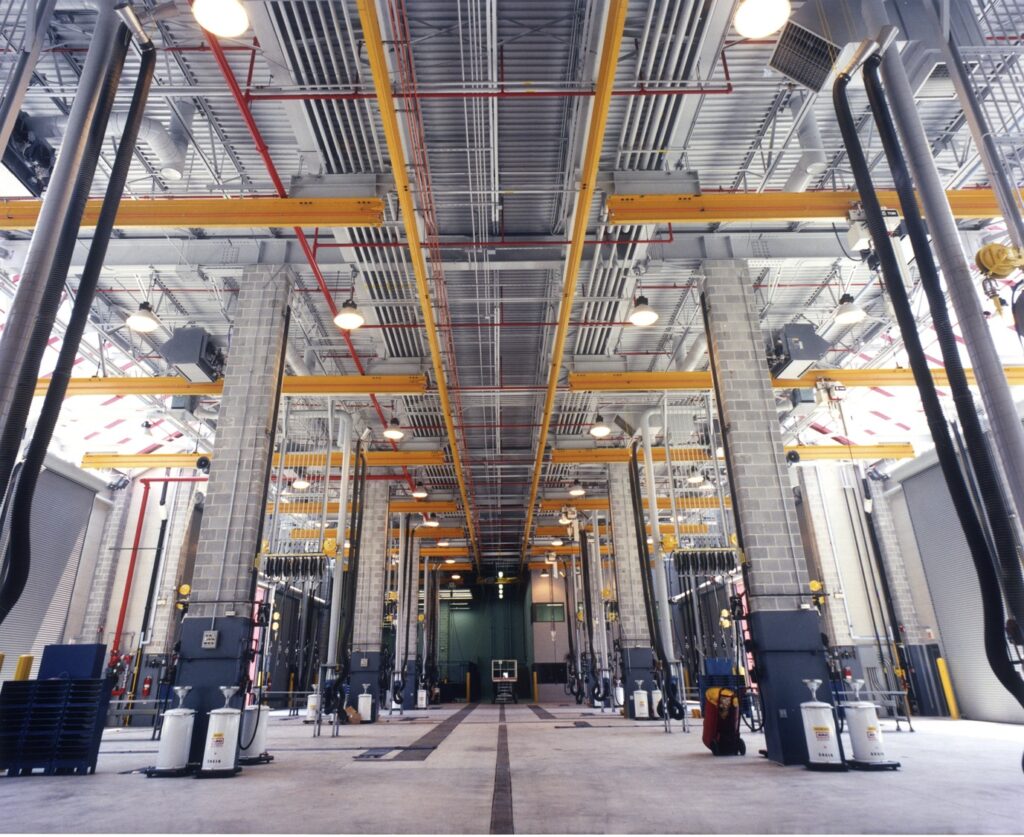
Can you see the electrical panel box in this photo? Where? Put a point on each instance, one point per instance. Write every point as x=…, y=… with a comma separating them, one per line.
x=210, y=639
x=857, y=237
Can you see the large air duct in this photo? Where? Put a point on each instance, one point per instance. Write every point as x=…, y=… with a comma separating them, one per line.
x=812, y=162
x=169, y=146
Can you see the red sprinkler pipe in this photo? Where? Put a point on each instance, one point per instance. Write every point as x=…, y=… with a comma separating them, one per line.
x=115, y=647
x=300, y=235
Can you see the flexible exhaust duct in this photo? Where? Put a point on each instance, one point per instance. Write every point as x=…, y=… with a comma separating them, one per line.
x=19, y=549
x=992, y=603
x=169, y=146
x=993, y=501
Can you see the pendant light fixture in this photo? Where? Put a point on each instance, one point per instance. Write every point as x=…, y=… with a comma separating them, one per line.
x=223, y=18
x=144, y=321
x=848, y=312
x=419, y=491
x=394, y=432
x=349, y=317
x=761, y=18
x=641, y=314
x=599, y=429
x=577, y=489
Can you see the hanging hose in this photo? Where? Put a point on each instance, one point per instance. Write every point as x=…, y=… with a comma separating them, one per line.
x=670, y=688
x=994, y=504
x=596, y=691
x=404, y=620
x=992, y=604
x=573, y=685
x=18, y=560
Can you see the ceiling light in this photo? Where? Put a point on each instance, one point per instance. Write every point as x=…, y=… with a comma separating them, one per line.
x=349, y=317
x=642, y=314
x=545, y=574
x=557, y=542
x=599, y=429
x=144, y=320
x=650, y=541
x=419, y=490
x=501, y=574
x=760, y=18
x=300, y=484
x=223, y=18
x=456, y=576
x=848, y=312
x=444, y=542
x=430, y=522
x=449, y=560
x=394, y=432
x=720, y=452
x=577, y=490
x=348, y=543
x=564, y=519
x=696, y=477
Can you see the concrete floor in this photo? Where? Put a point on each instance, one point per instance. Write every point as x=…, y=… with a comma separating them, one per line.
x=611, y=777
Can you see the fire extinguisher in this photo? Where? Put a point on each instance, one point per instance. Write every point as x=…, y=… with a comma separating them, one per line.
x=147, y=686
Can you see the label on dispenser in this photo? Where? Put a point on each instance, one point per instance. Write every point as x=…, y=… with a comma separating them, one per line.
x=871, y=733
x=217, y=739
x=823, y=733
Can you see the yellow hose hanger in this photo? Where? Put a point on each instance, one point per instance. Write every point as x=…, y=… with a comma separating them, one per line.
x=399, y=169
x=614, y=26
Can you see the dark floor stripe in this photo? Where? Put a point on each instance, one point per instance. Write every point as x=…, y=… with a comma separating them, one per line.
x=501, y=714
x=501, y=802
x=426, y=744
x=542, y=713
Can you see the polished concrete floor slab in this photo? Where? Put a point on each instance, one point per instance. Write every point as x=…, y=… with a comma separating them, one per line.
x=516, y=770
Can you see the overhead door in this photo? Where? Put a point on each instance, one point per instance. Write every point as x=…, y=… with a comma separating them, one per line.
x=957, y=599
x=61, y=510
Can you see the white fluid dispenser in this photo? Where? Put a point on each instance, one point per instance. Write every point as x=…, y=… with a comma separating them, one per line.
x=175, y=737
x=866, y=734
x=221, y=751
x=823, y=748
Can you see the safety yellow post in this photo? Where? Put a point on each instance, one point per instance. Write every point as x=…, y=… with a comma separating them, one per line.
x=2, y=658
x=24, y=667
x=536, y=689
x=467, y=687
x=947, y=688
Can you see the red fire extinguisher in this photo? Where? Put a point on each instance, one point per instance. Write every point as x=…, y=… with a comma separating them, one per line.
x=147, y=686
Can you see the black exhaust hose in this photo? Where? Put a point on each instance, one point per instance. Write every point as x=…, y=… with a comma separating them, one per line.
x=641, y=543
x=596, y=692
x=572, y=675
x=992, y=604
x=994, y=504
x=354, y=560
x=18, y=559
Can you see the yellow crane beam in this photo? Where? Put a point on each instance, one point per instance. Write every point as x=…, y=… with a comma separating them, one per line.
x=696, y=381
x=374, y=459
x=426, y=533
x=601, y=503
x=307, y=385
x=772, y=207
x=609, y=60
x=590, y=456
x=233, y=213
x=394, y=507
x=375, y=54
x=564, y=549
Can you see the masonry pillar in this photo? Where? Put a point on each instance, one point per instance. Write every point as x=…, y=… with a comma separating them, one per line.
x=785, y=629
x=368, y=614
x=217, y=633
x=94, y=627
x=634, y=636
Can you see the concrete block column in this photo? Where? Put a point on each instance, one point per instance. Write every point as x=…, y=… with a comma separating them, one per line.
x=228, y=540
x=786, y=636
x=367, y=630
x=94, y=628
x=629, y=587
x=179, y=517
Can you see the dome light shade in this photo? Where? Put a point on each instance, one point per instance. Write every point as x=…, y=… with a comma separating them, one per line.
x=420, y=491
x=577, y=489
x=761, y=18
x=449, y=560
x=564, y=520
x=394, y=432
x=223, y=18
x=349, y=317
x=144, y=320
x=557, y=542
x=545, y=574
x=848, y=312
x=641, y=314
x=300, y=484
x=456, y=576
x=430, y=522
x=695, y=477
x=445, y=542
x=599, y=429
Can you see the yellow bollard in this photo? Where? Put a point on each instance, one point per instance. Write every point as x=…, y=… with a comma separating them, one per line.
x=467, y=687
x=24, y=667
x=947, y=688
x=2, y=658
x=536, y=689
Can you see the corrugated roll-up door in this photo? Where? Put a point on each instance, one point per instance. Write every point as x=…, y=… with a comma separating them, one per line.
x=957, y=599
x=61, y=510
